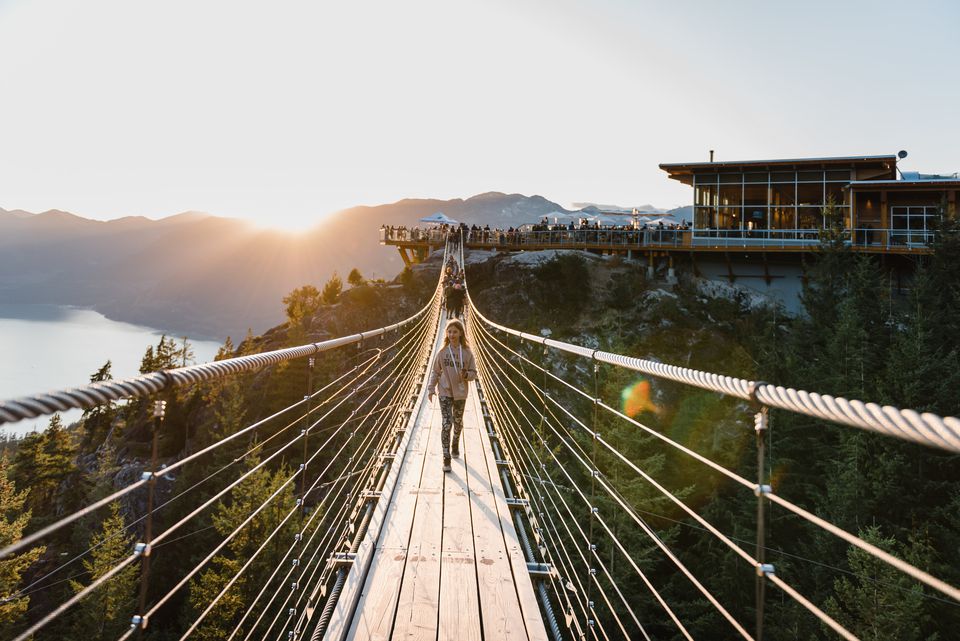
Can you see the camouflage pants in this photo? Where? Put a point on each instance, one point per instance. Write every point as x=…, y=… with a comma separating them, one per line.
x=452, y=412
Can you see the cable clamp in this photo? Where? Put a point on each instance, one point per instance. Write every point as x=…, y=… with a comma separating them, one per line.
x=142, y=549
x=752, y=392
x=294, y=586
x=146, y=476
x=159, y=409
x=593, y=547
x=138, y=621
x=760, y=490
x=763, y=569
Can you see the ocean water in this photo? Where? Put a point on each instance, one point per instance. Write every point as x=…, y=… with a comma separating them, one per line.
x=49, y=347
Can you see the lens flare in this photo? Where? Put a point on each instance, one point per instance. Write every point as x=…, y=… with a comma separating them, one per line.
x=636, y=399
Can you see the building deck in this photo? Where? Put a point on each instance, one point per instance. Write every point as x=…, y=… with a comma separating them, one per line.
x=447, y=563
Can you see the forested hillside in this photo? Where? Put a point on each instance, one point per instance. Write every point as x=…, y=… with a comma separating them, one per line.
x=855, y=340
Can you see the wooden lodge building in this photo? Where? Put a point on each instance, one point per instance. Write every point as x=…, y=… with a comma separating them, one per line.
x=781, y=202
x=753, y=219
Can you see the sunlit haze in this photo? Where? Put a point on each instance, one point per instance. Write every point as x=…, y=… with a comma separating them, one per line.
x=283, y=112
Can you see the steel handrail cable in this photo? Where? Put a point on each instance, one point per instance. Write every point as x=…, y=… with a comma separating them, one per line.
x=785, y=587
x=623, y=551
x=540, y=394
x=649, y=533
x=354, y=541
x=527, y=450
x=502, y=417
x=516, y=443
x=293, y=441
x=263, y=545
x=76, y=598
x=636, y=469
x=852, y=539
x=630, y=560
x=229, y=537
x=926, y=428
x=384, y=418
x=324, y=564
x=719, y=468
x=509, y=434
x=99, y=393
x=191, y=374
x=413, y=376
x=53, y=527
x=542, y=492
x=334, y=594
x=341, y=512
x=495, y=400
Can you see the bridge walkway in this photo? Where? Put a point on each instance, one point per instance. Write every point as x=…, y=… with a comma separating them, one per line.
x=447, y=562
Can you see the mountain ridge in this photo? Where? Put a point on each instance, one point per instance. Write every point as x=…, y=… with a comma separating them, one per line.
x=208, y=276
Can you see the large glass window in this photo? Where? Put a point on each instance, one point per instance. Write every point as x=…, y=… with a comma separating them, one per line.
x=783, y=218
x=783, y=194
x=755, y=194
x=728, y=220
x=756, y=204
x=705, y=218
x=913, y=225
x=731, y=194
x=706, y=195
x=810, y=193
x=836, y=193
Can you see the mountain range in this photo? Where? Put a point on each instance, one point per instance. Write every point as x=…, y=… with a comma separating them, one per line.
x=207, y=276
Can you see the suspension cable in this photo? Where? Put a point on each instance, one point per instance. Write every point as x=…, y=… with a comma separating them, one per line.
x=602, y=522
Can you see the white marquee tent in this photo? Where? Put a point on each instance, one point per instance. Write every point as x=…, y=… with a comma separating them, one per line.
x=439, y=218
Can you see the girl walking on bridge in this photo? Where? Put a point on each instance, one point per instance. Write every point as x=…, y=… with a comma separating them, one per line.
x=452, y=369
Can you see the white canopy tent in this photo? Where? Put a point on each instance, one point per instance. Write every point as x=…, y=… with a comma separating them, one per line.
x=439, y=218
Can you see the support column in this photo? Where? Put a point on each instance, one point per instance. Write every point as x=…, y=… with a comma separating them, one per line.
x=671, y=273
x=884, y=219
x=403, y=254
x=650, y=270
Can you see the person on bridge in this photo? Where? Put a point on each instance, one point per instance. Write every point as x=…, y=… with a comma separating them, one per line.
x=453, y=367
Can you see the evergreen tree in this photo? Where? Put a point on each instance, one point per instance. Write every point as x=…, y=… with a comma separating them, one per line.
x=13, y=520
x=105, y=612
x=355, y=278
x=97, y=420
x=42, y=463
x=301, y=304
x=331, y=291
x=878, y=602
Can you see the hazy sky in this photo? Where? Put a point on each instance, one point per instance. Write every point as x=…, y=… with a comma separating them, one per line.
x=282, y=112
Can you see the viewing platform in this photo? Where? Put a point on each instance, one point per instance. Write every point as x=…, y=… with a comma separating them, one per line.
x=416, y=244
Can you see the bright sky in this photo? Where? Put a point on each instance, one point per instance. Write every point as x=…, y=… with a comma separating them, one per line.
x=282, y=112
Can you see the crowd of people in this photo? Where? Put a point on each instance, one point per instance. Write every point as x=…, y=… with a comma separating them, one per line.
x=543, y=233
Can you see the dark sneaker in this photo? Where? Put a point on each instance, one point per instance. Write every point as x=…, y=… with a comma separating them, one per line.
x=455, y=451
x=446, y=464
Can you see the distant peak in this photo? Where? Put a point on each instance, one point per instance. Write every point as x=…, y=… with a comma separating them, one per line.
x=185, y=217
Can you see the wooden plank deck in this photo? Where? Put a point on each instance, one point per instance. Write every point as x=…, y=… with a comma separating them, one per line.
x=447, y=564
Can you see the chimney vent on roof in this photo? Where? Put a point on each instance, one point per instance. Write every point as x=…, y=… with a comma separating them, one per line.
x=711, y=155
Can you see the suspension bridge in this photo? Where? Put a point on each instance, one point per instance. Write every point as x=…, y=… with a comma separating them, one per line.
x=379, y=543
